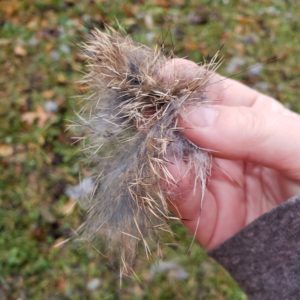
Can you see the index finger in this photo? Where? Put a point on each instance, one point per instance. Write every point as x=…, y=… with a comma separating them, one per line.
x=219, y=89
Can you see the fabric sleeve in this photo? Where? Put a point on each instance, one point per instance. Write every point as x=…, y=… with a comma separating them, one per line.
x=264, y=257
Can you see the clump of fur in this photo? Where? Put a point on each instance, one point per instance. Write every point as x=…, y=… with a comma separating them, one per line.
x=130, y=131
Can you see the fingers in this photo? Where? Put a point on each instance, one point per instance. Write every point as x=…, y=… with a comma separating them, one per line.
x=219, y=90
x=178, y=69
x=270, y=138
x=185, y=202
x=209, y=220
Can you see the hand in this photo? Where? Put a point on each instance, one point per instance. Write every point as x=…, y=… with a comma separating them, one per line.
x=255, y=145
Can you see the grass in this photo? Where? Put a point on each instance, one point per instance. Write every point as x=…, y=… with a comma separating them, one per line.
x=40, y=64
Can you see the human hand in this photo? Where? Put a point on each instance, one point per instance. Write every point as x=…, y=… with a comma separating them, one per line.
x=255, y=145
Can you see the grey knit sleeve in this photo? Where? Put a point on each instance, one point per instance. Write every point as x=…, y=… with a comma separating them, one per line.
x=264, y=257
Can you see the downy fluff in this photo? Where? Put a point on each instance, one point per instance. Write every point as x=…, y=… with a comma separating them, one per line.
x=129, y=126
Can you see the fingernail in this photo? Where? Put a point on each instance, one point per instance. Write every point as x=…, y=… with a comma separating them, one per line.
x=202, y=116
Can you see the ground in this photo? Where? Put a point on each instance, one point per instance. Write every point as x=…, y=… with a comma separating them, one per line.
x=41, y=64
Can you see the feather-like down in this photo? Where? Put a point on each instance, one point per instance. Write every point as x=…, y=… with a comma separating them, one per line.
x=129, y=123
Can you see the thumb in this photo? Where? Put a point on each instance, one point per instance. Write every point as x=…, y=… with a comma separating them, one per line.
x=269, y=138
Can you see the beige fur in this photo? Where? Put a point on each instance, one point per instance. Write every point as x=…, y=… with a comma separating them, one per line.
x=129, y=127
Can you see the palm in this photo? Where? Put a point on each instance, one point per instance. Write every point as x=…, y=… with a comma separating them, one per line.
x=237, y=192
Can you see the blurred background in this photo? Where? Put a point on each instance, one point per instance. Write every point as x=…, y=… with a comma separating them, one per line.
x=40, y=167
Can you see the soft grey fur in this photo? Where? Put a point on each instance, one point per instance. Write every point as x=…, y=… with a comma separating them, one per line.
x=129, y=123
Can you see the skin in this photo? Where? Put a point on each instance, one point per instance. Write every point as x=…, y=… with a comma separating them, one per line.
x=255, y=146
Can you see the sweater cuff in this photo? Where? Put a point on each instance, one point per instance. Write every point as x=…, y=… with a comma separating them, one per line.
x=264, y=257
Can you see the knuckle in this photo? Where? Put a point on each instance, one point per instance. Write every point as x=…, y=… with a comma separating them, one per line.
x=250, y=124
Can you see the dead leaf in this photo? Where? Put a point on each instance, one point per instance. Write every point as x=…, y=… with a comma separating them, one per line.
x=61, y=284
x=130, y=10
x=6, y=150
x=240, y=48
x=4, y=42
x=20, y=51
x=81, y=87
x=178, y=2
x=48, y=94
x=163, y=3
x=60, y=242
x=9, y=8
x=191, y=45
x=33, y=23
x=40, y=115
x=68, y=208
x=245, y=20
x=61, y=78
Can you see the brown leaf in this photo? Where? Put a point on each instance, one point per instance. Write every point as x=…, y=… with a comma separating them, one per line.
x=81, y=87
x=245, y=20
x=33, y=23
x=190, y=45
x=60, y=242
x=61, y=78
x=40, y=115
x=68, y=208
x=48, y=94
x=163, y=3
x=20, y=51
x=9, y=8
x=6, y=150
x=61, y=284
x=4, y=42
x=29, y=117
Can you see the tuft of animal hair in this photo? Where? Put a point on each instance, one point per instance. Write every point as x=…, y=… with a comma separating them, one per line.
x=130, y=132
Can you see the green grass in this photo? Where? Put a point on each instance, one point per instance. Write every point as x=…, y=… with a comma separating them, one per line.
x=40, y=62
